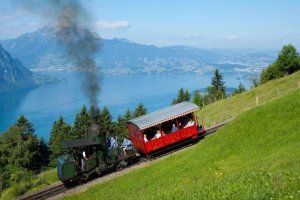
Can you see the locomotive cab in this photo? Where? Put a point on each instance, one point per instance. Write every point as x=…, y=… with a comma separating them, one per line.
x=87, y=157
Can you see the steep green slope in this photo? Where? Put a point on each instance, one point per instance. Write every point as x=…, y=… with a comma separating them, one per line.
x=232, y=107
x=256, y=156
x=40, y=181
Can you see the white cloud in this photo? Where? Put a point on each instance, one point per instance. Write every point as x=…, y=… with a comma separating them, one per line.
x=232, y=37
x=109, y=25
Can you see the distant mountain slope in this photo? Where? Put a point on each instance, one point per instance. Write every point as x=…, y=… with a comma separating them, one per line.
x=13, y=75
x=40, y=50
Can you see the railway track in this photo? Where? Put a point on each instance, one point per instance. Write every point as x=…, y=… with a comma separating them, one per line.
x=48, y=192
x=216, y=127
x=59, y=188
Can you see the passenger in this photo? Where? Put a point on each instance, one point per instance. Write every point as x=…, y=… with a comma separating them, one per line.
x=190, y=123
x=179, y=125
x=158, y=134
x=113, y=142
x=83, y=160
x=174, y=128
x=145, y=138
x=126, y=145
x=111, y=151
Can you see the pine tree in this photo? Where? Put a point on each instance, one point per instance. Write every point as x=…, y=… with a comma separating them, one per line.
x=21, y=152
x=44, y=151
x=197, y=98
x=28, y=142
x=210, y=95
x=218, y=84
x=59, y=132
x=187, y=96
x=127, y=115
x=94, y=113
x=183, y=95
x=106, y=121
x=240, y=89
x=122, y=130
x=139, y=110
x=81, y=124
x=25, y=126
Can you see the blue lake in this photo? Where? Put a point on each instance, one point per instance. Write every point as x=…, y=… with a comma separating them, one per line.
x=43, y=105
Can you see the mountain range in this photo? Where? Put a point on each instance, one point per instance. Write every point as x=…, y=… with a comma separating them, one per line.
x=13, y=74
x=41, y=51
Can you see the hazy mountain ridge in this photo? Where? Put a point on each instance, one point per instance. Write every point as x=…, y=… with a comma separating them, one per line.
x=13, y=74
x=40, y=51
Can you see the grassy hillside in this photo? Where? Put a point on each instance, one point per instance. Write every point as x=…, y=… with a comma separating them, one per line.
x=42, y=180
x=254, y=157
x=232, y=107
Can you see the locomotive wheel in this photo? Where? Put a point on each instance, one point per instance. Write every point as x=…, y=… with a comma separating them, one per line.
x=118, y=167
x=71, y=183
x=67, y=183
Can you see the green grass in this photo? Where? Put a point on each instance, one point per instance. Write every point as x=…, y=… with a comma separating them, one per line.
x=40, y=181
x=45, y=178
x=234, y=106
x=256, y=156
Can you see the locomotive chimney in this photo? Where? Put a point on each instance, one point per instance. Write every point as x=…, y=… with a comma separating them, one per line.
x=94, y=130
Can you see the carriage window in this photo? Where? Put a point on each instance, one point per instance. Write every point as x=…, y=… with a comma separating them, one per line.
x=149, y=133
x=166, y=127
x=186, y=121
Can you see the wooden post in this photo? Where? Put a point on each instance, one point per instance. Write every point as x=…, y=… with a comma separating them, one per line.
x=256, y=100
x=278, y=92
x=203, y=103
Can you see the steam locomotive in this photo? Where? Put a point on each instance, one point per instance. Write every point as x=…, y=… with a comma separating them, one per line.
x=93, y=155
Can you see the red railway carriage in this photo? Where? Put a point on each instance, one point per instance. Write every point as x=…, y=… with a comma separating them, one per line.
x=165, y=127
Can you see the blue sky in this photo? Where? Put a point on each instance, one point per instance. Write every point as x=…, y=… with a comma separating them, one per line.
x=201, y=23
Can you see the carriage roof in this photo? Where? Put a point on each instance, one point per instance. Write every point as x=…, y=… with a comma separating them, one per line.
x=164, y=115
x=80, y=143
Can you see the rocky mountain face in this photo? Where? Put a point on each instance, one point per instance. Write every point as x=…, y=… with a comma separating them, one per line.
x=13, y=75
x=41, y=51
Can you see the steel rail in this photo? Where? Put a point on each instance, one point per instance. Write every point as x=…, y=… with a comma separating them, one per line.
x=45, y=193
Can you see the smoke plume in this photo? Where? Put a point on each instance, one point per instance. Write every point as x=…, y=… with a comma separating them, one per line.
x=71, y=23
